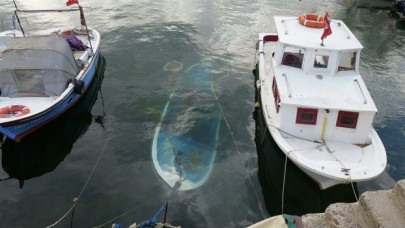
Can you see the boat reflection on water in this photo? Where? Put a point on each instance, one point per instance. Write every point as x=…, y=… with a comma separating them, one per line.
x=301, y=194
x=42, y=151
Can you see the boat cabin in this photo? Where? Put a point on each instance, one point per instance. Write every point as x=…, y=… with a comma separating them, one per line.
x=318, y=90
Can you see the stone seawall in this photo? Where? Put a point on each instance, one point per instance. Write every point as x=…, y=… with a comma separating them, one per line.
x=385, y=208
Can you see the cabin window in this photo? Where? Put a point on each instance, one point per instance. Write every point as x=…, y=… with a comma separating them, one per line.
x=347, y=61
x=306, y=116
x=276, y=95
x=293, y=57
x=321, y=61
x=347, y=119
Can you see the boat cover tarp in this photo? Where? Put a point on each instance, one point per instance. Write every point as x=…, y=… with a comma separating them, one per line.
x=38, y=64
x=3, y=43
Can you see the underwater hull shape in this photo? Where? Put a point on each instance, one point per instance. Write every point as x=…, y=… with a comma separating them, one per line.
x=185, y=140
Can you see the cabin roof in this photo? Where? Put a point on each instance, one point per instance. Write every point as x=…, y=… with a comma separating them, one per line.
x=291, y=32
x=341, y=92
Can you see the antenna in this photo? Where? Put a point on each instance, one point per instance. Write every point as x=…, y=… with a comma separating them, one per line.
x=83, y=22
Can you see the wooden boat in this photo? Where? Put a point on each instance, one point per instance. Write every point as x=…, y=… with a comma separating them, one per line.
x=312, y=100
x=185, y=140
x=41, y=77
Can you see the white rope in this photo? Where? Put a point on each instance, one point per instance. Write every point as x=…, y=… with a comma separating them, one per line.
x=167, y=225
x=354, y=191
x=119, y=216
x=76, y=200
x=282, y=193
x=329, y=151
x=237, y=148
x=344, y=167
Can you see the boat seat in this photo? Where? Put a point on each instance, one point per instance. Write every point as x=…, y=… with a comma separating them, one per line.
x=82, y=58
x=78, y=54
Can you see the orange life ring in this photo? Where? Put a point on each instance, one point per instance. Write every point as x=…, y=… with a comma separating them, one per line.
x=312, y=20
x=14, y=111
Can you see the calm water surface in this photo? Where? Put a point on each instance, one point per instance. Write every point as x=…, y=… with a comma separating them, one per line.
x=138, y=39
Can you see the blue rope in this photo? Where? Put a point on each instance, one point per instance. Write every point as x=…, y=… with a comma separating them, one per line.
x=153, y=221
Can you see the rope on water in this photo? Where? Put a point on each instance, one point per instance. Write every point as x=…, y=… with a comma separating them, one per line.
x=237, y=148
x=174, y=190
x=175, y=187
x=76, y=200
x=121, y=215
x=167, y=225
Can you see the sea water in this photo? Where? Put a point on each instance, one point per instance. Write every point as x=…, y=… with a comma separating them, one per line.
x=138, y=38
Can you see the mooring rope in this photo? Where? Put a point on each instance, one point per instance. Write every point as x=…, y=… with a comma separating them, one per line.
x=285, y=173
x=119, y=216
x=237, y=148
x=294, y=136
x=344, y=167
x=282, y=192
x=76, y=199
x=170, y=195
x=354, y=190
x=321, y=144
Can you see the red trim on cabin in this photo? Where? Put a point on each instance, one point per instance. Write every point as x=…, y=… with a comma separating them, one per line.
x=274, y=86
x=347, y=119
x=276, y=95
x=306, y=116
x=268, y=38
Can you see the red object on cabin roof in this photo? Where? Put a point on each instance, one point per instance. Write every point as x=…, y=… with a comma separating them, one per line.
x=71, y=2
x=328, y=30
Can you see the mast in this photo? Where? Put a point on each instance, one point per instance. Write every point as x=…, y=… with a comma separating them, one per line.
x=83, y=22
x=18, y=19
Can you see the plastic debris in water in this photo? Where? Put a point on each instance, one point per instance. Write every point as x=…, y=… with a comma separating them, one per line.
x=173, y=66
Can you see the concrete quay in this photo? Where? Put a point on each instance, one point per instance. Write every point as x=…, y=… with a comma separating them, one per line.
x=383, y=209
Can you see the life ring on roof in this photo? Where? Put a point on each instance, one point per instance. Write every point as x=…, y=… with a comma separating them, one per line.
x=312, y=20
x=14, y=111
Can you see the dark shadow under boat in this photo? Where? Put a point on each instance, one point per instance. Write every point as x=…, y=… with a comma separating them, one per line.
x=42, y=151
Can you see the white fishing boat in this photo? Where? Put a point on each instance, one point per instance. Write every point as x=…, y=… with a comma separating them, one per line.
x=312, y=103
x=41, y=77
